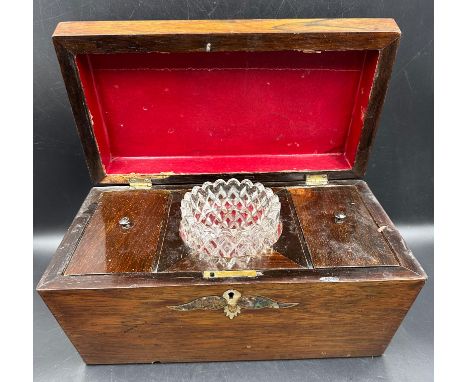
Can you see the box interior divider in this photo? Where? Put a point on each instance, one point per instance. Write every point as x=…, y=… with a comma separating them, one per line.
x=310, y=238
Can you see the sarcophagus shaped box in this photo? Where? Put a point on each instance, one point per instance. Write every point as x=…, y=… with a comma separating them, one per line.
x=163, y=106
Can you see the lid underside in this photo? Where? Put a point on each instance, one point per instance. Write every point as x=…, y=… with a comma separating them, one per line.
x=226, y=112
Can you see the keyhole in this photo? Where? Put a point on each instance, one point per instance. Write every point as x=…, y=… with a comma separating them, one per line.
x=231, y=295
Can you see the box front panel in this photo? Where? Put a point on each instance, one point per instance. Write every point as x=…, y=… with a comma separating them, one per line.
x=141, y=325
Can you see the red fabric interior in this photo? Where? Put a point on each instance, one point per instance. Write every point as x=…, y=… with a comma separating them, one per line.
x=227, y=112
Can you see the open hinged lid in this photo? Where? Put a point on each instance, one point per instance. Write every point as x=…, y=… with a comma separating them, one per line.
x=276, y=100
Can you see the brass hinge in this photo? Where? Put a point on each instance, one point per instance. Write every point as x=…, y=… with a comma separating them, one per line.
x=316, y=179
x=140, y=183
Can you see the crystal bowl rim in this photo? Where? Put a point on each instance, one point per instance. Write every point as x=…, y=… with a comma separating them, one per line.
x=249, y=230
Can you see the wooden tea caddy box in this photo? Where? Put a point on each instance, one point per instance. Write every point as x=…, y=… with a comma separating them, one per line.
x=164, y=105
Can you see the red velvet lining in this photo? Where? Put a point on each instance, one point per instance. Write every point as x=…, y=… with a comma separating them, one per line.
x=195, y=113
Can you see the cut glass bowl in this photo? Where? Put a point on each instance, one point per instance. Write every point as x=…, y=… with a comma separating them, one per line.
x=230, y=222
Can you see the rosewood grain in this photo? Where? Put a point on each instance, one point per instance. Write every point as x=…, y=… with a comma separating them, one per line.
x=153, y=243
x=270, y=260
x=53, y=278
x=384, y=27
x=226, y=35
x=108, y=247
x=136, y=325
x=374, y=108
x=290, y=251
x=355, y=242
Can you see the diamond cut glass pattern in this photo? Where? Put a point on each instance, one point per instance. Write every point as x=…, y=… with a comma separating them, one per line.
x=230, y=222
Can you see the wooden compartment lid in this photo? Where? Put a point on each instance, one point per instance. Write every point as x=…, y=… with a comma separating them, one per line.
x=266, y=99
